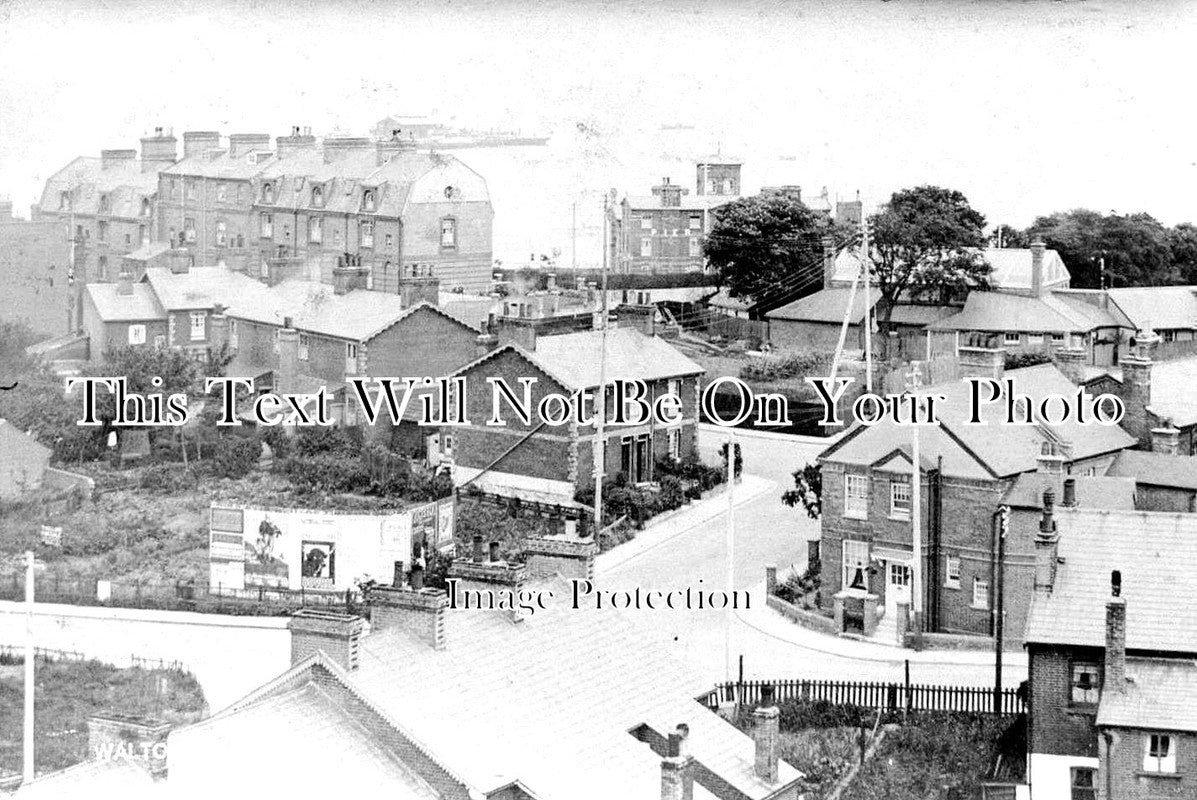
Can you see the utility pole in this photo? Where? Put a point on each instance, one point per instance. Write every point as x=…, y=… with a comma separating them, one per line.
x=27, y=760
x=574, y=235
x=999, y=611
x=731, y=550
x=916, y=504
x=600, y=447
x=868, y=320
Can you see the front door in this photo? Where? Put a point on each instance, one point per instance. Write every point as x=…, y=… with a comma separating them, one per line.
x=897, y=585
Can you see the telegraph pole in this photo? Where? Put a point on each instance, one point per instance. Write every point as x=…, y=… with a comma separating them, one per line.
x=999, y=612
x=916, y=505
x=27, y=760
x=731, y=551
x=868, y=320
x=600, y=448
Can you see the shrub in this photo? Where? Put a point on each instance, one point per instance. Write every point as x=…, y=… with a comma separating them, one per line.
x=236, y=456
x=167, y=478
x=1020, y=360
x=791, y=365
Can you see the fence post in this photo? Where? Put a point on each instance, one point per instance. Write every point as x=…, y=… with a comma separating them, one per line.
x=906, y=709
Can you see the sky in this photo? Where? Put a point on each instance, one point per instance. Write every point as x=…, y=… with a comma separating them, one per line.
x=1027, y=106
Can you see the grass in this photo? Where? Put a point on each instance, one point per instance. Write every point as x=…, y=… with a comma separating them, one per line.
x=68, y=692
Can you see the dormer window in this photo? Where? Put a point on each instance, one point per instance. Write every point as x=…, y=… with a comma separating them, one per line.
x=145, y=206
x=64, y=201
x=368, y=200
x=268, y=193
x=222, y=192
x=104, y=204
x=317, y=196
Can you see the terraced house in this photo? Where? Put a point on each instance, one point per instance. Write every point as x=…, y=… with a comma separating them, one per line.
x=391, y=209
x=966, y=474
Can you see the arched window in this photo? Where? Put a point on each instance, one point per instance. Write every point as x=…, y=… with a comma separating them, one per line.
x=145, y=206
x=104, y=204
x=222, y=233
x=268, y=193
x=64, y=201
x=317, y=196
x=368, y=200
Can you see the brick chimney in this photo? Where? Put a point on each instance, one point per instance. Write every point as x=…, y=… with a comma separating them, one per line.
x=1047, y=545
x=1136, y=389
x=348, y=276
x=333, y=632
x=124, y=283
x=1071, y=361
x=300, y=140
x=1038, y=249
x=418, y=285
x=485, y=343
x=518, y=332
x=489, y=576
x=1069, y=500
x=399, y=142
x=158, y=151
x=126, y=737
x=218, y=328
x=178, y=260
x=286, y=378
x=340, y=147
x=677, y=773
x=670, y=194
x=765, y=735
x=419, y=612
x=242, y=143
x=567, y=556
x=1115, y=666
x=642, y=318
x=116, y=158
x=200, y=143
x=829, y=254
x=982, y=359
x=1165, y=440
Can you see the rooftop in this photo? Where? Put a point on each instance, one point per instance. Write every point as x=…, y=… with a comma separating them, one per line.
x=1011, y=268
x=1172, y=385
x=112, y=306
x=1158, y=307
x=1157, y=556
x=1053, y=312
x=1161, y=694
x=86, y=179
x=574, y=358
x=199, y=287
x=1105, y=492
x=1155, y=469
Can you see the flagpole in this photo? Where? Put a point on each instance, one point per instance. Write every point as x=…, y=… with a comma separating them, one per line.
x=27, y=761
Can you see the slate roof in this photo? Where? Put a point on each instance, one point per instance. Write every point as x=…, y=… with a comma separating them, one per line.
x=829, y=305
x=1011, y=268
x=1104, y=492
x=1172, y=384
x=1157, y=556
x=199, y=287
x=1156, y=469
x=574, y=357
x=1161, y=694
x=550, y=702
x=1054, y=312
x=1158, y=307
x=1003, y=450
x=116, y=777
x=86, y=179
x=111, y=306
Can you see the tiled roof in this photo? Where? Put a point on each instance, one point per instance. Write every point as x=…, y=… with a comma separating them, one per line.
x=1156, y=469
x=1157, y=556
x=1159, y=307
x=86, y=179
x=258, y=746
x=827, y=305
x=199, y=287
x=114, y=777
x=1054, y=312
x=112, y=306
x=1104, y=492
x=550, y=701
x=1005, y=449
x=1172, y=385
x=1012, y=268
x=1161, y=694
x=220, y=164
x=575, y=357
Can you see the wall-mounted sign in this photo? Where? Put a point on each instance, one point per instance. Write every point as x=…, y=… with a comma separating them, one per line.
x=52, y=535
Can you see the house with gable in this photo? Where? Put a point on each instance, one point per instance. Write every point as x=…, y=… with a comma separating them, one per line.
x=559, y=704
x=1169, y=311
x=1112, y=658
x=553, y=463
x=966, y=473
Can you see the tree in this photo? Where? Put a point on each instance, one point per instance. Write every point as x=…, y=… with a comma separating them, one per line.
x=807, y=491
x=1182, y=241
x=762, y=243
x=925, y=245
x=1008, y=236
x=1136, y=249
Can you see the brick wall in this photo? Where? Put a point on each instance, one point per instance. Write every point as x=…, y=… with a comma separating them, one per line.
x=1057, y=726
x=34, y=260
x=1122, y=760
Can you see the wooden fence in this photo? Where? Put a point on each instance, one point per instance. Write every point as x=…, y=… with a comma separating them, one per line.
x=876, y=695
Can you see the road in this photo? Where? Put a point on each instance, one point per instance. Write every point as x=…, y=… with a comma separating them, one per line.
x=766, y=531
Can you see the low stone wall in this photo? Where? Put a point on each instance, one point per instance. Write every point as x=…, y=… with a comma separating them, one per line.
x=807, y=619
x=948, y=641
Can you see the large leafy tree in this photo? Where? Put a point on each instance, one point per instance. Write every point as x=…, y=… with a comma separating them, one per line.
x=925, y=245
x=1182, y=240
x=1137, y=250
x=767, y=243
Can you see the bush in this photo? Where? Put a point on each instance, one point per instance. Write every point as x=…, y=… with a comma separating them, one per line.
x=320, y=441
x=1020, y=360
x=235, y=456
x=792, y=365
x=167, y=478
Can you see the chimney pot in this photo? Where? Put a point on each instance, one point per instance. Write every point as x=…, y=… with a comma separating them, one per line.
x=397, y=575
x=417, y=578
x=494, y=552
x=479, y=554
x=1115, y=666
x=765, y=737
x=1069, y=493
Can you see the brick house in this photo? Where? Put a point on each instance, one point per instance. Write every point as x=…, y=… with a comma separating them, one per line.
x=122, y=314
x=1112, y=675
x=545, y=461
x=24, y=463
x=1168, y=311
x=1164, y=481
x=966, y=473
x=190, y=297
x=387, y=205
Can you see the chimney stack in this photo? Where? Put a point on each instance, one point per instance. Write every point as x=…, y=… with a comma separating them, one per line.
x=348, y=275
x=387, y=149
x=677, y=774
x=397, y=576
x=1136, y=386
x=518, y=332
x=158, y=151
x=115, y=158
x=479, y=549
x=200, y=143
x=1165, y=440
x=564, y=555
x=1115, y=666
x=218, y=328
x=418, y=285
x=419, y=612
x=982, y=358
x=286, y=379
x=1071, y=361
x=1038, y=248
x=485, y=343
x=339, y=148
x=1069, y=500
x=124, y=283
x=829, y=262
x=126, y=737
x=242, y=143
x=336, y=634
x=482, y=577
x=1047, y=545
x=298, y=141
x=765, y=735
x=642, y=318
x=495, y=552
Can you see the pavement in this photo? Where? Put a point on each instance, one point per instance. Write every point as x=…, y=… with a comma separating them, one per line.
x=689, y=550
